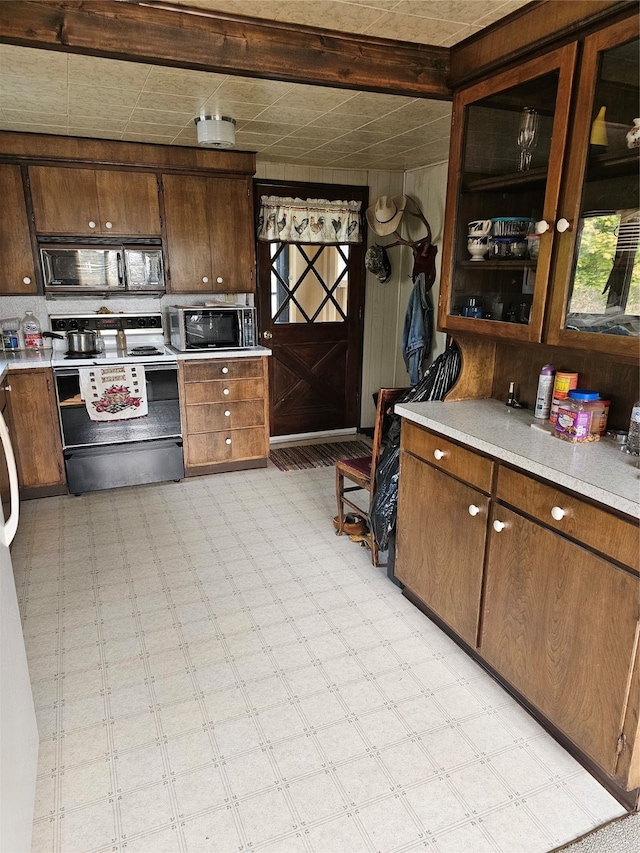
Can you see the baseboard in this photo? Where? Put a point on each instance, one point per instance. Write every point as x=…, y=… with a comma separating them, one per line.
x=304, y=436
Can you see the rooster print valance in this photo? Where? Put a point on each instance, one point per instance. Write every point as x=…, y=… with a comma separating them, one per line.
x=314, y=220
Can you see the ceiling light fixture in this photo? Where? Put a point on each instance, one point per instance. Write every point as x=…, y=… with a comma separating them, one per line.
x=216, y=131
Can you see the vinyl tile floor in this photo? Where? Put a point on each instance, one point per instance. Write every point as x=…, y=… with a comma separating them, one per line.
x=214, y=670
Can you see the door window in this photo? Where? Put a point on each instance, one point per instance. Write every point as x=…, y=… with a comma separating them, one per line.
x=309, y=283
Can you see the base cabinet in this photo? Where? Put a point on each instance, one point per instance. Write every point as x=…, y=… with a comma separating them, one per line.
x=35, y=431
x=559, y=624
x=444, y=571
x=225, y=414
x=550, y=582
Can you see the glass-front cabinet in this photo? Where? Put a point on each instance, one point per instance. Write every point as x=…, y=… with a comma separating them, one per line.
x=507, y=152
x=596, y=275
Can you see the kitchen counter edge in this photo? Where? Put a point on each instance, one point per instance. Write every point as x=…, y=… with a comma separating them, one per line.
x=596, y=470
x=249, y=352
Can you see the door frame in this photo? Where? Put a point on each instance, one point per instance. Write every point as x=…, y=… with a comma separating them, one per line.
x=354, y=324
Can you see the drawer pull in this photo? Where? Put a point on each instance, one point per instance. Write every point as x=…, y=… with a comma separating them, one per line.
x=26, y=280
x=205, y=279
x=225, y=369
x=439, y=454
x=219, y=280
x=473, y=509
x=91, y=223
x=227, y=441
x=109, y=225
x=499, y=526
x=225, y=391
x=227, y=413
x=557, y=513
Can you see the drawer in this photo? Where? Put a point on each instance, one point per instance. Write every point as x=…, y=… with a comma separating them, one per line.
x=447, y=456
x=594, y=527
x=212, y=447
x=220, y=368
x=224, y=390
x=210, y=417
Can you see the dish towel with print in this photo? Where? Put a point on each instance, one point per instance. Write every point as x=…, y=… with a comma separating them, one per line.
x=115, y=392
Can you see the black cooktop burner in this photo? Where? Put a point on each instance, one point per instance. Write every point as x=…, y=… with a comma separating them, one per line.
x=148, y=350
x=72, y=354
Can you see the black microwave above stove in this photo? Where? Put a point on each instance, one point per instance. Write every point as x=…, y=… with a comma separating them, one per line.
x=102, y=268
x=207, y=327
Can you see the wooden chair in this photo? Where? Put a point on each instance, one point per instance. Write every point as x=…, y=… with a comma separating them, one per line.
x=361, y=470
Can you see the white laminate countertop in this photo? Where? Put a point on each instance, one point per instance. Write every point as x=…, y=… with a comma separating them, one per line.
x=598, y=470
x=22, y=359
x=248, y=352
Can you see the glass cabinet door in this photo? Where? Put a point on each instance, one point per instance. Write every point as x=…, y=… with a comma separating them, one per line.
x=507, y=149
x=596, y=299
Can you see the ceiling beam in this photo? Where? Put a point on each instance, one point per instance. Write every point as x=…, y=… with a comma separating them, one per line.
x=165, y=34
x=530, y=30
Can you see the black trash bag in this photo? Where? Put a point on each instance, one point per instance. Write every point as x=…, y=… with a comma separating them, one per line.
x=434, y=385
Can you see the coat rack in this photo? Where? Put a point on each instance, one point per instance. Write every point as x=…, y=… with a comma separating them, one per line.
x=424, y=252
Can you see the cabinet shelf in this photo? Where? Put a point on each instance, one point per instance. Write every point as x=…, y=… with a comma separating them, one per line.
x=520, y=264
x=516, y=181
x=613, y=165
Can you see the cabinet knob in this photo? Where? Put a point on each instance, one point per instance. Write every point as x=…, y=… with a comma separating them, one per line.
x=473, y=509
x=6, y=387
x=225, y=391
x=205, y=279
x=219, y=280
x=26, y=280
x=267, y=336
x=91, y=223
x=225, y=369
x=499, y=526
x=108, y=224
x=563, y=225
x=227, y=413
x=227, y=441
x=438, y=454
x=542, y=226
x=558, y=513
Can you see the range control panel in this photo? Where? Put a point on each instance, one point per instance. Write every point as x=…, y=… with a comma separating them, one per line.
x=106, y=322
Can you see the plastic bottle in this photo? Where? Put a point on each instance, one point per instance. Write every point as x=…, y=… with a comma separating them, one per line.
x=31, y=332
x=633, y=439
x=11, y=334
x=545, y=391
x=575, y=415
x=564, y=383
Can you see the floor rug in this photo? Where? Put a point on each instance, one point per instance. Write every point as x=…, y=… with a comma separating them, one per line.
x=317, y=455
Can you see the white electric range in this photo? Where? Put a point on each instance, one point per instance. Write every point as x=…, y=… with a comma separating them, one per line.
x=104, y=453
x=144, y=334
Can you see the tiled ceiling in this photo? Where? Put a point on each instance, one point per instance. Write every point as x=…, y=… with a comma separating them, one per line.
x=50, y=92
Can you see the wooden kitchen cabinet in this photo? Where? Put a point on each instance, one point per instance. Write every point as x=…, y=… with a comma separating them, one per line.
x=541, y=584
x=210, y=242
x=225, y=414
x=560, y=625
x=583, y=288
x=94, y=202
x=17, y=270
x=35, y=431
x=442, y=524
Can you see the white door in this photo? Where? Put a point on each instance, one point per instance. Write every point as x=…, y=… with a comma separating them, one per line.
x=18, y=731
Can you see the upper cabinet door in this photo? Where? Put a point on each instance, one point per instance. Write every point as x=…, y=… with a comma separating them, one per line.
x=65, y=201
x=210, y=241
x=507, y=154
x=128, y=203
x=232, y=234
x=89, y=202
x=596, y=295
x=17, y=271
x=188, y=241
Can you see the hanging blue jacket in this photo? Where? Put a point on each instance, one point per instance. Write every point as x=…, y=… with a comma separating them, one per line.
x=418, y=329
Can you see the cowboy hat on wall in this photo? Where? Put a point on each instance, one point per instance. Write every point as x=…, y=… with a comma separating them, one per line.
x=384, y=216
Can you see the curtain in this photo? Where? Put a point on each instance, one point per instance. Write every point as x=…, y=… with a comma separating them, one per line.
x=296, y=220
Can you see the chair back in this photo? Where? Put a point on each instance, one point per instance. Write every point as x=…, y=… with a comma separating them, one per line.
x=386, y=398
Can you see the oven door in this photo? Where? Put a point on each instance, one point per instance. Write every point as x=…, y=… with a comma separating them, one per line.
x=107, y=454
x=82, y=269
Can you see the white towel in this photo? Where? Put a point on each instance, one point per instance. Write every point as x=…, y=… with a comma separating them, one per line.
x=115, y=392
